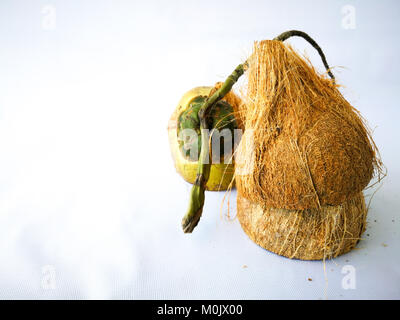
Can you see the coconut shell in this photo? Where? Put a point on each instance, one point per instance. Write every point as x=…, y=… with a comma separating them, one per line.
x=310, y=147
x=312, y=234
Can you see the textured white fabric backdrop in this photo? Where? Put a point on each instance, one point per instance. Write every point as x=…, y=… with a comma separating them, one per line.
x=90, y=204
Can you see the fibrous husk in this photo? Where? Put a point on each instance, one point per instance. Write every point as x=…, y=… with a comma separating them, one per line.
x=310, y=147
x=311, y=234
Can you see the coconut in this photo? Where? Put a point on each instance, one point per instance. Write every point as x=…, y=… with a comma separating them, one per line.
x=221, y=174
x=310, y=148
x=310, y=234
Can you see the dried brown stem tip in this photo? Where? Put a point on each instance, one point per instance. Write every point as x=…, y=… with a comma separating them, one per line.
x=296, y=33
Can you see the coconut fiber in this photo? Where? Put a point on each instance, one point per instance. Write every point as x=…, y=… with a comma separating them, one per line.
x=311, y=234
x=311, y=147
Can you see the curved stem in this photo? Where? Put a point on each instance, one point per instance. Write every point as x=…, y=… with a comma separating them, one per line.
x=292, y=33
x=196, y=203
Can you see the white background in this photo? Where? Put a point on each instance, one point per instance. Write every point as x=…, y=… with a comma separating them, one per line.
x=90, y=204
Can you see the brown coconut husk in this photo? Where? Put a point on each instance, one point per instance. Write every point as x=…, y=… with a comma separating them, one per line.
x=312, y=234
x=311, y=147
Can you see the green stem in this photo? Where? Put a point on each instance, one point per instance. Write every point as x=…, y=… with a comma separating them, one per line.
x=196, y=203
